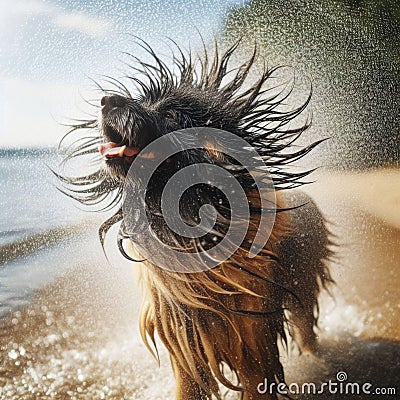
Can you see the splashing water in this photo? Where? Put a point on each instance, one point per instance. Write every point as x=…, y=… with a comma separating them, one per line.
x=68, y=327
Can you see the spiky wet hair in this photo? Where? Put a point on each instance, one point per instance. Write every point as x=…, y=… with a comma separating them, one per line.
x=215, y=95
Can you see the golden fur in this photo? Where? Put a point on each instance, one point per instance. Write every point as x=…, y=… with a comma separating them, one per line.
x=199, y=316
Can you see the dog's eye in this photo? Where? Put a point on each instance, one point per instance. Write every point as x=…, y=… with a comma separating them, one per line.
x=170, y=115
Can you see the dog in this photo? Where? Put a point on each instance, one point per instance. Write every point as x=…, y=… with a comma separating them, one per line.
x=232, y=316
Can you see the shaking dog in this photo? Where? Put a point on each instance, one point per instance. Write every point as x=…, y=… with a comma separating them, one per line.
x=221, y=324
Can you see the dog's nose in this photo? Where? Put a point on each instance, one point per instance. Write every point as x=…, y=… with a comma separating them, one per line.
x=109, y=102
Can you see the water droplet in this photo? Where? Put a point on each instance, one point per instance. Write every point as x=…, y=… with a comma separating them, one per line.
x=13, y=354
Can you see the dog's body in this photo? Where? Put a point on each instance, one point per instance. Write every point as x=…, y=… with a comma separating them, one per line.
x=232, y=316
x=200, y=338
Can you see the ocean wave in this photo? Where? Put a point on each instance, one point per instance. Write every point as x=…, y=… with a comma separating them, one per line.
x=29, y=244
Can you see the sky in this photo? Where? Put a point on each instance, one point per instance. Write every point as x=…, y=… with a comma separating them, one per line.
x=50, y=50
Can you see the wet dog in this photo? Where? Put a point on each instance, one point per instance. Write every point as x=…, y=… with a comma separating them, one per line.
x=232, y=316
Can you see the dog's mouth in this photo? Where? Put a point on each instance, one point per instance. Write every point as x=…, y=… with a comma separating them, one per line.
x=111, y=149
x=116, y=146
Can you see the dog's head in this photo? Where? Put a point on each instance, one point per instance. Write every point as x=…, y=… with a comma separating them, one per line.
x=190, y=91
x=128, y=124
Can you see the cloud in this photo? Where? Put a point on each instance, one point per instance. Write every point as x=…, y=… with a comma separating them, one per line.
x=69, y=21
x=32, y=7
x=91, y=26
x=32, y=112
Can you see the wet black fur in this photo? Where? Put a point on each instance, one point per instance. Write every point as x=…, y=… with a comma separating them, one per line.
x=188, y=91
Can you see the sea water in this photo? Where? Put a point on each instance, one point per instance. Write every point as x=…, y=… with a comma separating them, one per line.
x=29, y=200
x=37, y=222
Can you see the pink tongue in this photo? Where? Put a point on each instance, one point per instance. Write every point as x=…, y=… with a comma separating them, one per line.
x=111, y=149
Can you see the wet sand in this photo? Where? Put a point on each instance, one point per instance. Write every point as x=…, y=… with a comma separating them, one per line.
x=360, y=324
x=364, y=211
x=78, y=339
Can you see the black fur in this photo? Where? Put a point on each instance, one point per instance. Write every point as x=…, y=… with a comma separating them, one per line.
x=189, y=91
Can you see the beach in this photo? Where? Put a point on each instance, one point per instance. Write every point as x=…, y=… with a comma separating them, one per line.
x=78, y=337
x=71, y=331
